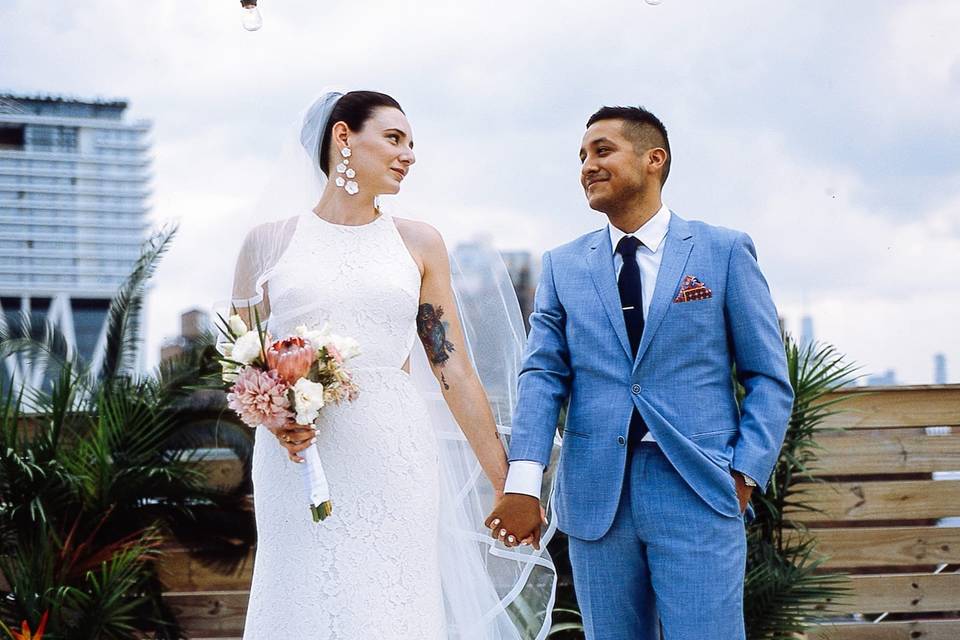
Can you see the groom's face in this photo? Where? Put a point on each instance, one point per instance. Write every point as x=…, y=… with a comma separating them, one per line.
x=611, y=171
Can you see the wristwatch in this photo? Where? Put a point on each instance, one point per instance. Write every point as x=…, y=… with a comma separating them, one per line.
x=747, y=480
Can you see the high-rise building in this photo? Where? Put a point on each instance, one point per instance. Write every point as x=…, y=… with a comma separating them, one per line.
x=483, y=287
x=886, y=379
x=940, y=369
x=73, y=213
x=806, y=331
x=524, y=274
x=195, y=327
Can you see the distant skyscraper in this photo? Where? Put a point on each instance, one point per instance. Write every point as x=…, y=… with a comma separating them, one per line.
x=940, y=369
x=480, y=282
x=806, y=331
x=194, y=327
x=886, y=379
x=73, y=213
x=523, y=274
x=472, y=262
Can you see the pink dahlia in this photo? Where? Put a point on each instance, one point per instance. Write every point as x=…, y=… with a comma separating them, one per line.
x=260, y=397
x=292, y=358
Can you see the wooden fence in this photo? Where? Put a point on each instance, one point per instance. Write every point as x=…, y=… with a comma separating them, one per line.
x=887, y=501
x=891, y=513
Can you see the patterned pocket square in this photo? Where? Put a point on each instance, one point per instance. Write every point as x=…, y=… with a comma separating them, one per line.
x=692, y=289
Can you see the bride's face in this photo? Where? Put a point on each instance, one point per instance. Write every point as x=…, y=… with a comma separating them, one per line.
x=382, y=151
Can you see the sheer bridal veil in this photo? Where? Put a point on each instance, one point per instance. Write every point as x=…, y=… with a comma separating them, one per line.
x=490, y=592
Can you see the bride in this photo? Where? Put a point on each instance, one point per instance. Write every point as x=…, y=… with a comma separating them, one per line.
x=405, y=553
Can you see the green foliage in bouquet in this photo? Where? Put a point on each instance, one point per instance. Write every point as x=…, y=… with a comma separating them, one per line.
x=99, y=470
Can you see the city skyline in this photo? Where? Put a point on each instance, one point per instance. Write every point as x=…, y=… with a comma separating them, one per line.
x=831, y=142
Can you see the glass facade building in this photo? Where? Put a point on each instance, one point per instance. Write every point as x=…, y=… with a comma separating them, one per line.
x=74, y=191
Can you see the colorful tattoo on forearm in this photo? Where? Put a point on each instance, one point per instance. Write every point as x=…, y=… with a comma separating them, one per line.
x=433, y=334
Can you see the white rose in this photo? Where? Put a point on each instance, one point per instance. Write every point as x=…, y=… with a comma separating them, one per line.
x=246, y=348
x=308, y=400
x=237, y=326
x=348, y=347
x=316, y=337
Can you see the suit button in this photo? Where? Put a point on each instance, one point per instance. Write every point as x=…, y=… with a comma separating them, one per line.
x=621, y=440
x=636, y=389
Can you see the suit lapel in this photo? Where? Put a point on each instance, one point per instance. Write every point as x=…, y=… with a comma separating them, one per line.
x=676, y=251
x=600, y=262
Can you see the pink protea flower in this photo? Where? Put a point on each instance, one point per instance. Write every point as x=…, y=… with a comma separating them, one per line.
x=260, y=397
x=291, y=358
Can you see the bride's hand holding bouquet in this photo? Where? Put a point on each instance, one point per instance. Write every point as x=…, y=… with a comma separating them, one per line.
x=283, y=384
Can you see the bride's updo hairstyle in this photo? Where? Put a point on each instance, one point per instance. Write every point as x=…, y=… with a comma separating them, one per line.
x=354, y=108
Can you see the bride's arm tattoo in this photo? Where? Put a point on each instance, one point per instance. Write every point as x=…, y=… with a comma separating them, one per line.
x=433, y=334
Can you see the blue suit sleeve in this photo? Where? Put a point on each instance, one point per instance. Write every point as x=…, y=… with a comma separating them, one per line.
x=757, y=346
x=544, y=377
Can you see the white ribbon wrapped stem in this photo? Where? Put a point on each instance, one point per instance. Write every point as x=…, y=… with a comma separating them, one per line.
x=315, y=482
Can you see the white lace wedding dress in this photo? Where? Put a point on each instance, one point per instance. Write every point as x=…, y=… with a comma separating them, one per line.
x=370, y=571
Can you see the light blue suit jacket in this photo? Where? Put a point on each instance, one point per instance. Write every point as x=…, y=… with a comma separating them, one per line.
x=680, y=380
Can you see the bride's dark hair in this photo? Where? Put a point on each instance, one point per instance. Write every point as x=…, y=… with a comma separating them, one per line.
x=354, y=108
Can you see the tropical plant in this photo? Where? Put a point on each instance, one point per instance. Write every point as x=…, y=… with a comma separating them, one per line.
x=100, y=470
x=785, y=590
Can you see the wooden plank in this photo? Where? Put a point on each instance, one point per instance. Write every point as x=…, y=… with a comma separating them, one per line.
x=912, y=630
x=181, y=572
x=882, y=407
x=886, y=547
x=905, y=500
x=210, y=614
x=908, y=592
x=887, y=451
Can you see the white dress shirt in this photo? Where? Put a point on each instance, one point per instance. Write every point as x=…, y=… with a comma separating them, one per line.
x=526, y=476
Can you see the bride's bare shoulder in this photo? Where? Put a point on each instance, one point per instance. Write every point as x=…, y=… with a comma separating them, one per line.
x=422, y=238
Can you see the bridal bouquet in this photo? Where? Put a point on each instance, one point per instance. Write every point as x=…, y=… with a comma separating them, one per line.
x=274, y=382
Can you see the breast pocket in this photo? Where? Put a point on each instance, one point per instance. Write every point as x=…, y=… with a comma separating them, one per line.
x=694, y=315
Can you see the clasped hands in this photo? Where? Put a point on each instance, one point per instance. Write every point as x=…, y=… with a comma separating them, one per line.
x=516, y=517
x=516, y=520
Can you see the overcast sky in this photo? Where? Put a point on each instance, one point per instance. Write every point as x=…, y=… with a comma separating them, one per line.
x=828, y=131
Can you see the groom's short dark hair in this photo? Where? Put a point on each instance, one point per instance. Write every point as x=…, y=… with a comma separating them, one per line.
x=643, y=127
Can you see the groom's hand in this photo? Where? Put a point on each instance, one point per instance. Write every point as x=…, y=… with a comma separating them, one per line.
x=744, y=491
x=516, y=517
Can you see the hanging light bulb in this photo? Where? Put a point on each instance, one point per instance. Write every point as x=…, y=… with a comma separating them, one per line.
x=251, y=19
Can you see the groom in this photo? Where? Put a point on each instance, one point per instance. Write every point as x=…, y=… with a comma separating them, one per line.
x=639, y=325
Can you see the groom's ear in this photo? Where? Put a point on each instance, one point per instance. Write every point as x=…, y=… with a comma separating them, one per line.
x=657, y=161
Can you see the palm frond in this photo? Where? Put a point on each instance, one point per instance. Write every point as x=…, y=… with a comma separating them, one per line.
x=95, y=467
x=123, y=318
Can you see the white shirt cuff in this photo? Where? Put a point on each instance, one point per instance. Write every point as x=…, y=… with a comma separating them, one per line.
x=524, y=476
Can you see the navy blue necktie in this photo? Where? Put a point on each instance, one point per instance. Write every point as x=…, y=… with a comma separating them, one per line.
x=631, y=290
x=631, y=301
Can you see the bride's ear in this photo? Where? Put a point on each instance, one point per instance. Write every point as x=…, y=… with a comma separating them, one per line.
x=339, y=136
